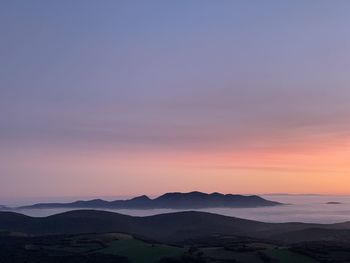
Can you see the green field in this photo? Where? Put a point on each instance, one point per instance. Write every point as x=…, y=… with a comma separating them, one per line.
x=142, y=252
x=287, y=256
x=261, y=255
x=113, y=244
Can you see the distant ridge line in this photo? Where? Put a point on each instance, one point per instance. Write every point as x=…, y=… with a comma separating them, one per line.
x=173, y=200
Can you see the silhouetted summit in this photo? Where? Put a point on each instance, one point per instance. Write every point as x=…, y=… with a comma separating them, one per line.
x=191, y=200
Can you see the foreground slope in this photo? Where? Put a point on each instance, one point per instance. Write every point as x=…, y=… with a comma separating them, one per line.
x=123, y=248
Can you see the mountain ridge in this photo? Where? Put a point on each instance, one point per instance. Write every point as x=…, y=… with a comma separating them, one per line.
x=172, y=200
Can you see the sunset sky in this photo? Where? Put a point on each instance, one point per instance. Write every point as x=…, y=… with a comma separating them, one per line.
x=115, y=98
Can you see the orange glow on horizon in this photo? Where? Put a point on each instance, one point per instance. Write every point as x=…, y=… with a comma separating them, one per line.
x=322, y=169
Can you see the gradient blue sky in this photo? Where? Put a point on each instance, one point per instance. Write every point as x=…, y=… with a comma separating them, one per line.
x=151, y=96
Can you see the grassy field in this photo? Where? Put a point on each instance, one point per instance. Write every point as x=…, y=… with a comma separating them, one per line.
x=260, y=255
x=142, y=252
x=287, y=256
x=137, y=251
x=223, y=254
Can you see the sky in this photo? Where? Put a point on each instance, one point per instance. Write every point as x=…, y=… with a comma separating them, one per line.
x=127, y=97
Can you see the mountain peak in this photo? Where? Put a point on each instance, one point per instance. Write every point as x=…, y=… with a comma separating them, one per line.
x=141, y=198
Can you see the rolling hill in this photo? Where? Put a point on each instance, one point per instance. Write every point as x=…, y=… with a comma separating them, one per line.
x=170, y=228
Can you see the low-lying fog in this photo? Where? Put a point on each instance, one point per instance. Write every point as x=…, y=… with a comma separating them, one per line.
x=300, y=208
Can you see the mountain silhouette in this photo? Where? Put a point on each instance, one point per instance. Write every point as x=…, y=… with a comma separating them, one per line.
x=191, y=200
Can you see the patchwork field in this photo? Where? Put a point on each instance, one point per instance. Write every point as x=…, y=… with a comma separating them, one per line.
x=118, y=247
